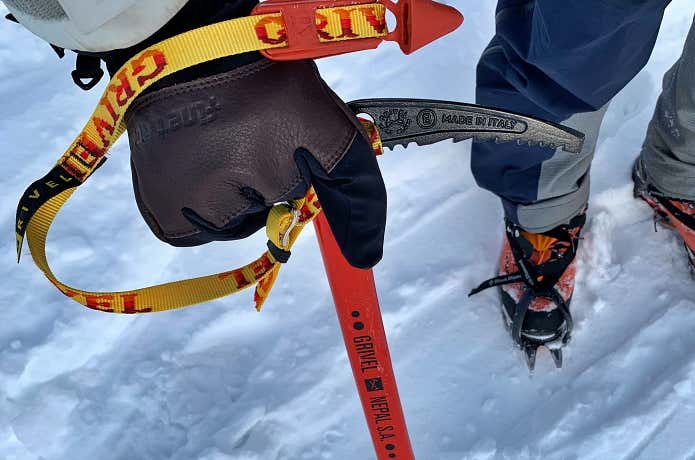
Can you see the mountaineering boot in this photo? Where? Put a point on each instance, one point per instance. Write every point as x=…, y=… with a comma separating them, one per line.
x=676, y=214
x=536, y=282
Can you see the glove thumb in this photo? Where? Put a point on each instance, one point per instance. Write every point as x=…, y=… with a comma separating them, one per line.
x=353, y=196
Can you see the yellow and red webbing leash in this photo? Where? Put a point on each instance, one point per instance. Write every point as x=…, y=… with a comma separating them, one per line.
x=44, y=198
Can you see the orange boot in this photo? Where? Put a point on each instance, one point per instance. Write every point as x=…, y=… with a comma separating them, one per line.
x=674, y=213
x=536, y=282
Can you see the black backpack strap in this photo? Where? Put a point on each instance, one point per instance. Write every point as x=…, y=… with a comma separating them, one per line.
x=88, y=71
x=59, y=51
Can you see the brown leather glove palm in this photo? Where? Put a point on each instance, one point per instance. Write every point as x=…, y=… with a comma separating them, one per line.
x=210, y=157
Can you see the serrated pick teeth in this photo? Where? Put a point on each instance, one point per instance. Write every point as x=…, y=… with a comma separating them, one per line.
x=456, y=138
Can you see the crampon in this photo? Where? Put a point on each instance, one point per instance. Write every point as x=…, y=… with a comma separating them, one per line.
x=672, y=213
x=536, y=282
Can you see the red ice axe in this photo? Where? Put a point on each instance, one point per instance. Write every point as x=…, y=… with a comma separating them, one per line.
x=357, y=306
x=400, y=122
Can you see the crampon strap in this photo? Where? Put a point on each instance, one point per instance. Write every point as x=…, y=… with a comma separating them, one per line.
x=43, y=200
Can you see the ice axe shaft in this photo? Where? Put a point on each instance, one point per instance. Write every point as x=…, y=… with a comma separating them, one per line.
x=357, y=306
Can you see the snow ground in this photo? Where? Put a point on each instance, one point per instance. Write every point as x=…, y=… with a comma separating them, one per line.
x=220, y=382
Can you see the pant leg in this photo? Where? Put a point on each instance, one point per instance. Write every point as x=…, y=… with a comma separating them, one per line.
x=562, y=61
x=668, y=153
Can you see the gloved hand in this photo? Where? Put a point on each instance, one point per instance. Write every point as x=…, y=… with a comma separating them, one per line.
x=211, y=155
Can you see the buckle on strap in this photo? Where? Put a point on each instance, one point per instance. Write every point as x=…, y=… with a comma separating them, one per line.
x=419, y=22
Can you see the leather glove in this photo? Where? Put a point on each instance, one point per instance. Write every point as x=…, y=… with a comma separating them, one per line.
x=211, y=156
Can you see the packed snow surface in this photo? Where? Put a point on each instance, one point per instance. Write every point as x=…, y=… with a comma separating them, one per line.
x=222, y=382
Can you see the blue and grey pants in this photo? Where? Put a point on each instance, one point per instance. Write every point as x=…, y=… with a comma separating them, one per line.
x=563, y=61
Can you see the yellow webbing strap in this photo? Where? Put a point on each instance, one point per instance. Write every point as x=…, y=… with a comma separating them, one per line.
x=44, y=198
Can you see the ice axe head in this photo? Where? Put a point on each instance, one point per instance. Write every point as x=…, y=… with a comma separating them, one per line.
x=420, y=22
